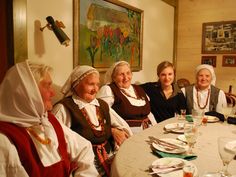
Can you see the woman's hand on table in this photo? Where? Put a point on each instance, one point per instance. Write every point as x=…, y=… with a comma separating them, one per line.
x=119, y=135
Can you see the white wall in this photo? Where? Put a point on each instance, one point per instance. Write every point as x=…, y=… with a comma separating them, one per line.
x=157, y=37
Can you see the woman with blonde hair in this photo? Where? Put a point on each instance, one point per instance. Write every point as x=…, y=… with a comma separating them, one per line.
x=166, y=98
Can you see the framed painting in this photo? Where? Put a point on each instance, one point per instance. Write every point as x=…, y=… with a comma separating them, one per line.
x=210, y=60
x=107, y=31
x=219, y=37
x=229, y=60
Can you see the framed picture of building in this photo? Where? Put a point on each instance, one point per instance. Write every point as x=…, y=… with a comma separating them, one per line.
x=106, y=31
x=210, y=60
x=219, y=37
x=229, y=60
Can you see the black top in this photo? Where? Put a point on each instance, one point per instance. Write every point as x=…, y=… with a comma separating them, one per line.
x=161, y=107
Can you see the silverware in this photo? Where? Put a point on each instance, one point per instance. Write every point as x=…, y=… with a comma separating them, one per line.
x=167, y=144
x=167, y=171
x=181, y=164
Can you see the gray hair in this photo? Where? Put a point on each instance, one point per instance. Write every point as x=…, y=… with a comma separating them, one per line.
x=39, y=70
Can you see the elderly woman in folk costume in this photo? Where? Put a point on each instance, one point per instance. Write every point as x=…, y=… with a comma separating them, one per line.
x=203, y=95
x=33, y=143
x=90, y=117
x=128, y=100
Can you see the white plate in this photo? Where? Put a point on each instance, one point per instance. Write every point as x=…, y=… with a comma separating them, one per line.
x=183, y=147
x=169, y=161
x=212, y=119
x=175, y=127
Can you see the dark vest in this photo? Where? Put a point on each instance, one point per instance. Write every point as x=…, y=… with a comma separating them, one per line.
x=80, y=125
x=125, y=109
x=213, y=98
x=28, y=154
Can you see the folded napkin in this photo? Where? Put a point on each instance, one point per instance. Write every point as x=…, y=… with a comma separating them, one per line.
x=189, y=118
x=231, y=120
x=182, y=156
x=216, y=114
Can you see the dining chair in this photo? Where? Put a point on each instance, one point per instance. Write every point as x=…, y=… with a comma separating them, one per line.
x=183, y=82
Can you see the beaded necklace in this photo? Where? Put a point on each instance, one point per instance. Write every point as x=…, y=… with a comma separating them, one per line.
x=97, y=133
x=34, y=134
x=208, y=95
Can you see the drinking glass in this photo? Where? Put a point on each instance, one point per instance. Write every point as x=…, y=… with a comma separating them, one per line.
x=226, y=154
x=183, y=114
x=227, y=110
x=188, y=171
x=197, y=115
x=190, y=133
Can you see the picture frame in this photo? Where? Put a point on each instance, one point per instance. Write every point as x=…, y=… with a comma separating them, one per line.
x=107, y=31
x=219, y=37
x=210, y=60
x=229, y=60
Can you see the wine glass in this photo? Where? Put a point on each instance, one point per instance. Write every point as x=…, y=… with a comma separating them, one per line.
x=226, y=154
x=227, y=110
x=197, y=115
x=190, y=133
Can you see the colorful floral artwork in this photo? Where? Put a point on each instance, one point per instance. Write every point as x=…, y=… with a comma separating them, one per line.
x=108, y=31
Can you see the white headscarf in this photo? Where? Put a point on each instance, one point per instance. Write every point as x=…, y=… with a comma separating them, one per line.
x=22, y=104
x=208, y=67
x=110, y=71
x=75, y=77
x=21, y=101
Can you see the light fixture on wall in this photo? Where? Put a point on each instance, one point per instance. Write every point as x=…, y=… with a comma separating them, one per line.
x=56, y=26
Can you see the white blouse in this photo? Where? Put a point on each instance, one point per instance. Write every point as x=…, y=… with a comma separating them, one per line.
x=79, y=149
x=63, y=114
x=202, y=97
x=107, y=95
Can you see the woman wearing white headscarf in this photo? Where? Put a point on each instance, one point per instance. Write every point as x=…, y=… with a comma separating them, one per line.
x=128, y=100
x=32, y=142
x=90, y=117
x=203, y=95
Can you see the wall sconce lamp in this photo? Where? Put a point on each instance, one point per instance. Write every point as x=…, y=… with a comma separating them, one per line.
x=56, y=26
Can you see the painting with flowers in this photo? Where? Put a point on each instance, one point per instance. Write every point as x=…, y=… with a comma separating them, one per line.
x=106, y=31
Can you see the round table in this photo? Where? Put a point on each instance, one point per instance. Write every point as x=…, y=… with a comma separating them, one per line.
x=135, y=154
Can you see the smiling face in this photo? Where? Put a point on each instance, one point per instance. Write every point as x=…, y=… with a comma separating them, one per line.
x=88, y=87
x=166, y=76
x=122, y=76
x=203, y=79
x=46, y=91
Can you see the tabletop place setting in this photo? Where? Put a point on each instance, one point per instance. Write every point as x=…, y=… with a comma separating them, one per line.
x=175, y=154
x=187, y=145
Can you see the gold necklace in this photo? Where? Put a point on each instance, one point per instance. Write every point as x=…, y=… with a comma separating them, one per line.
x=208, y=95
x=34, y=134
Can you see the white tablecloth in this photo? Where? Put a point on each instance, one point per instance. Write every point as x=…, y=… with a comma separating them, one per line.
x=135, y=154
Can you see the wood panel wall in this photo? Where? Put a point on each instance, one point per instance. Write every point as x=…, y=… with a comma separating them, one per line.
x=191, y=15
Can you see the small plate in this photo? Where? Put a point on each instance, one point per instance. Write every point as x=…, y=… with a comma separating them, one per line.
x=169, y=161
x=175, y=127
x=160, y=147
x=212, y=119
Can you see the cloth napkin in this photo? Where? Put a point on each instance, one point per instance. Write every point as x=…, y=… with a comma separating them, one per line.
x=216, y=114
x=189, y=118
x=231, y=120
x=182, y=156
